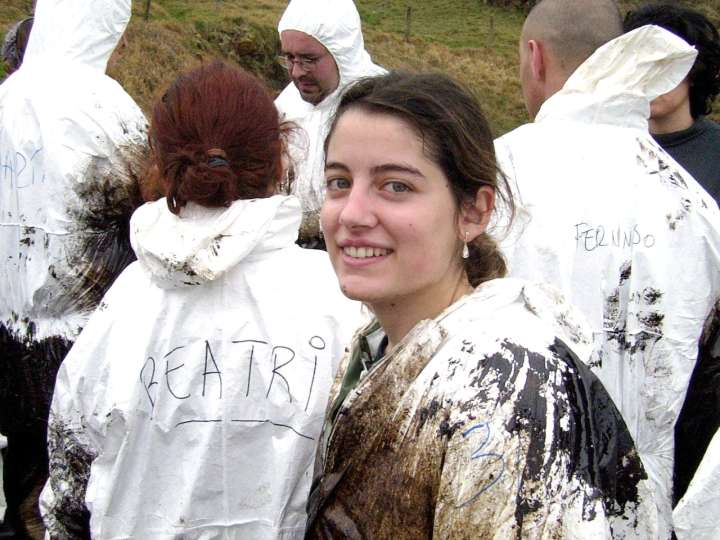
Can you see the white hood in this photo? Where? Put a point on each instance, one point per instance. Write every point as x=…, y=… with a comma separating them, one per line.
x=202, y=244
x=335, y=24
x=621, y=78
x=71, y=147
x=77, y=31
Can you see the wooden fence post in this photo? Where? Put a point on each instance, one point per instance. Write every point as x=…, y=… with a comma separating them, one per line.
x=147, y=9
x=408, y=23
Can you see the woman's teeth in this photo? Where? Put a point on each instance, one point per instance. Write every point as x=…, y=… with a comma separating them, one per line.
x=363, y=252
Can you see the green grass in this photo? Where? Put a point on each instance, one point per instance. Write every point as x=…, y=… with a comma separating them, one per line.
x=471, y=41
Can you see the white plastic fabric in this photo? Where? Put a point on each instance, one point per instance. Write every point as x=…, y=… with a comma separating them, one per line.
x=68, y=134
x=335, y=24
x=198, y=387
x=696, y=515
x=626, y=234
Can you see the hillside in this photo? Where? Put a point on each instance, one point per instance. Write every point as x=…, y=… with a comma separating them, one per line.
x=472, y=41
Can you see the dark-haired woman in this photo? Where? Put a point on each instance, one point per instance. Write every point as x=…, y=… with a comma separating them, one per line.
x=191, y=404
x=464, y=409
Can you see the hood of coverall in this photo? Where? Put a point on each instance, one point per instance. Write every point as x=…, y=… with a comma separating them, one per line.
x=336, y=24
x=202, y=244
x=621, y=78
x=77, y=31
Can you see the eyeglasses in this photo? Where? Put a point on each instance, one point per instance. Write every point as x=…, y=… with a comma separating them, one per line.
x=306, y=63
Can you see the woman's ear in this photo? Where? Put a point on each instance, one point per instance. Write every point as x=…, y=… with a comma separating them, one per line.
x=475, y=215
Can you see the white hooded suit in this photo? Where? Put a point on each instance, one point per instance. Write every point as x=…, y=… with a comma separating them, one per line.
x=191, y=404
x=69, y=136
x=71, y=140
x=336, y=25
x=627, y=235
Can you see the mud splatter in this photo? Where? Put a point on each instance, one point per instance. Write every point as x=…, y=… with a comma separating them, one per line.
x=216, y=243
x=70, y=462
x=625, y=271
x=100, y=207
x=651, y=295
x=28, y=236
x=651, y=320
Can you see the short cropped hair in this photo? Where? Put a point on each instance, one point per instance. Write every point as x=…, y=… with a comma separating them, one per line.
x=573, y=29
x=698, y=31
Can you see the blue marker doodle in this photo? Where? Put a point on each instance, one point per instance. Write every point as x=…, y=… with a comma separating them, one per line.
x=488, y=456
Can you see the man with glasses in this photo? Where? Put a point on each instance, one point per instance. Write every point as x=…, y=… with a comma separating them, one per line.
x=324, y=51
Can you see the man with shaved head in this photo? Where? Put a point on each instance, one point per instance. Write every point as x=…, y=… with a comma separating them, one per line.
x=557, y=37
x=605, y=215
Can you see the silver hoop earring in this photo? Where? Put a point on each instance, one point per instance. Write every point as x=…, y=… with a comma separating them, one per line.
x=465, y=251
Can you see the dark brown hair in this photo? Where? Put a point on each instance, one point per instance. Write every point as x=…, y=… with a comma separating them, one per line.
x=215, y=138
x=698, y=31
x=455, y=135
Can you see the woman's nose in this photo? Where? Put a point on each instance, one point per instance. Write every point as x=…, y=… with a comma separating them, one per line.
x=358, y=210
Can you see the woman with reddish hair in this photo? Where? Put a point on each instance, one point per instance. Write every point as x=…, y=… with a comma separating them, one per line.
x=192, y=402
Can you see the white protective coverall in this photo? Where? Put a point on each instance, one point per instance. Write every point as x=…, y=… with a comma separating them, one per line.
x=71, y=143
x=626, y=234
x=696, y=515
x=69, y=135
x=336, y=25
x=192, y=402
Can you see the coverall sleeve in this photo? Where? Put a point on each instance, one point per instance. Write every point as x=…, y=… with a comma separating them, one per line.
x=71, y=453
x=520, y=460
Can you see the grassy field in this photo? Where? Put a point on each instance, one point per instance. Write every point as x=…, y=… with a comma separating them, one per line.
x=467, y=39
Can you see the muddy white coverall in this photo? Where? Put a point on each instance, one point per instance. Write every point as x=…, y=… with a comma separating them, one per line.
x=191, y=404
x=629, y=237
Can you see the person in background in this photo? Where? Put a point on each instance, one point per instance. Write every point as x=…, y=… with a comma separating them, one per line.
x=190, y=405
x=463, y=410
x=608, y=217
x=72, y=143
x=678, y=118
x=15, y=43
x=324, y=51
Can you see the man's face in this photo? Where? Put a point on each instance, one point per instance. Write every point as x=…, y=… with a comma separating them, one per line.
x=311, y=66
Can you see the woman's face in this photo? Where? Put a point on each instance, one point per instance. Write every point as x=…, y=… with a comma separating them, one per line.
x=389, y=218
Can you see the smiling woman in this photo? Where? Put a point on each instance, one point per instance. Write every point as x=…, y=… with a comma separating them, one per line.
x=464, y=410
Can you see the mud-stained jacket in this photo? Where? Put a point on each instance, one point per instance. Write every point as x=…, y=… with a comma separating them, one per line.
x=482, y=423
x=336, y=25
x=191, y=404
x=629, y=237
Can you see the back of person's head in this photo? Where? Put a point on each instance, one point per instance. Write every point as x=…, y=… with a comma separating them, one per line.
x=573, y=29
x=456, y=137
x=215, y=138
x=698, y=31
